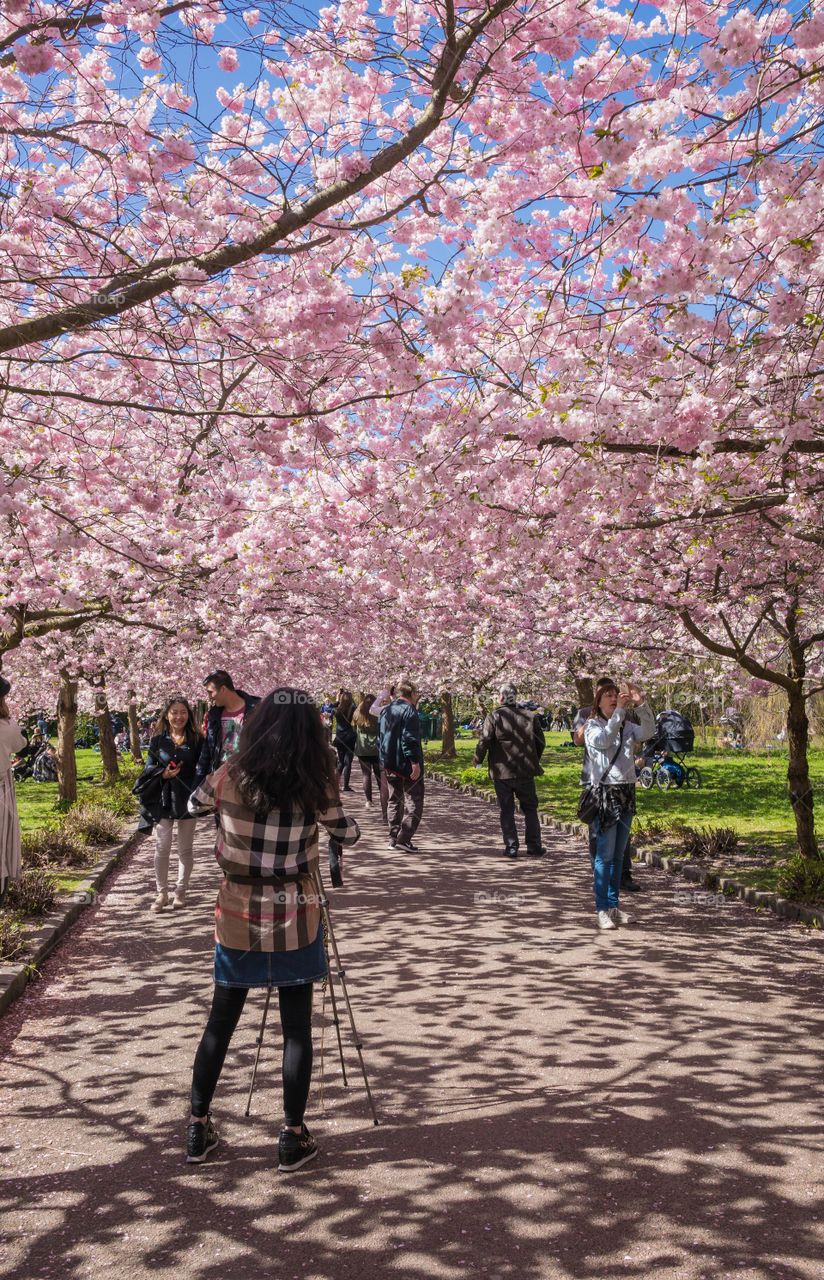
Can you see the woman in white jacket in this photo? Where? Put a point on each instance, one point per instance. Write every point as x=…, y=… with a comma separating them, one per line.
x=11, y=741
x=611, y=749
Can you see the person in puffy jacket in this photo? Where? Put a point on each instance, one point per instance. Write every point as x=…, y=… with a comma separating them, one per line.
x=611, y=742
x=164, y=789
x=514, y=739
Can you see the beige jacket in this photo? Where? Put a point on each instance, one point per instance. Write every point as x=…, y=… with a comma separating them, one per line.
x=11, y=741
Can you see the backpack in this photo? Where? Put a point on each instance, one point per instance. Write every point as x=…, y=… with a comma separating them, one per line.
x=366, y=742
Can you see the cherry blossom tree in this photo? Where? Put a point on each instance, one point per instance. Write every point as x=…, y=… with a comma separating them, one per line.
x=458, y=338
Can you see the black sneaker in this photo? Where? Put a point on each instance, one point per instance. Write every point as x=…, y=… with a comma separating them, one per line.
x=200, y=1140
x=536, y=853
x=510, y=853
x=295, y=1149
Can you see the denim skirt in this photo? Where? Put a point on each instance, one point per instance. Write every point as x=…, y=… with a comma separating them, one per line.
x=234, y=968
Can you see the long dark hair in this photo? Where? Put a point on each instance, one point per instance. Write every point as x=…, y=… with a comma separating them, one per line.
x=345, y=704
x=192, y=734
x=283, y=760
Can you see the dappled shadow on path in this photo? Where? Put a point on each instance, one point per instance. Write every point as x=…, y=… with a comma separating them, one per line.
x=554, y=1102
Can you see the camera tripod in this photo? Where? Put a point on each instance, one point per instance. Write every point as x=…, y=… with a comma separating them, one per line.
x=335, y=972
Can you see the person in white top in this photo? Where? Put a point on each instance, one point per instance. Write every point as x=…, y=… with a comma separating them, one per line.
x=12, y=740
x=610, y=741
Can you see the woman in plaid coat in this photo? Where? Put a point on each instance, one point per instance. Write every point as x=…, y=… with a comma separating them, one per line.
x=270, y=799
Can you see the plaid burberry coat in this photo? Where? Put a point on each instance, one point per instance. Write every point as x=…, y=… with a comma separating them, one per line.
x=267, y=917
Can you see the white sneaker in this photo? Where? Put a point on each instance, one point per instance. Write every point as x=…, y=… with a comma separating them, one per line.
x=161, y=901
x=617, y=916
x=368, y=805
x=605, y=920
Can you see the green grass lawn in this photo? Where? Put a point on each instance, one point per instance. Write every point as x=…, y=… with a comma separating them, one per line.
x=743, y=790
x=37, y=802
x=39, y=807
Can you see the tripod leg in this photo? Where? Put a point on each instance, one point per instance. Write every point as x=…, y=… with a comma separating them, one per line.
x=336, y=1020
x=341, y=973
x=259, y=1043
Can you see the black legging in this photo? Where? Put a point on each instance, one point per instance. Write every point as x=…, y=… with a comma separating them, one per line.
x=296, y=1024
x=345, y=757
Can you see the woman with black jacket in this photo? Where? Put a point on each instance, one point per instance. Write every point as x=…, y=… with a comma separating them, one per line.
x=168, y=779
x=344, y=738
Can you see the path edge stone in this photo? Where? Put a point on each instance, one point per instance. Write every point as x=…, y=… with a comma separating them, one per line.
x=759, y=898
x=15, y=977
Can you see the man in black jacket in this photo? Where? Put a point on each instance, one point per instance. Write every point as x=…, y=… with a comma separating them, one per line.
x=228, y=708
x=515, y=741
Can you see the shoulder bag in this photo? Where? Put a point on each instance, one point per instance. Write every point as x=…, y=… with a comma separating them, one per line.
x=588, y=804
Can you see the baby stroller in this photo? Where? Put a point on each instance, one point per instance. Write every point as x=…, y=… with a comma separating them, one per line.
x=663, y=761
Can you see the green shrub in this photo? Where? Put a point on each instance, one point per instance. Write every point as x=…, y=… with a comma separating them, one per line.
x=648, y=830
x=801, y=879
x=53, y=846
x=92, y=824
x=12, y=944
x=33, y=894
x=33, y=853
x=709, y=842
x=117, y=796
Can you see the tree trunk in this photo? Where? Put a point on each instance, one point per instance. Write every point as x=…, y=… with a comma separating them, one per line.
x=66, y=724
x=108, y=751
x=134, y=729
x=448, y=751
x=798, y=773
x=585, y=690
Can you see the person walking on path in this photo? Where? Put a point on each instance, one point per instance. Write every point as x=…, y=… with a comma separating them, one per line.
x=610, y=740
x=344, y=737
x=228, y=708
x=577, y=730
x=514, y=739
x=366, y=749
x=12, y=740
x=168, y=780
x=401, y=759
x=269, y=799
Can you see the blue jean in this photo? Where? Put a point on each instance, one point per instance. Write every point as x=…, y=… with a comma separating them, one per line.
x=610, y=846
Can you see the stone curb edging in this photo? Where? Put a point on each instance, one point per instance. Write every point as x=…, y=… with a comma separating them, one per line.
x=788, y=910
x=44, y=938
x=784, y=907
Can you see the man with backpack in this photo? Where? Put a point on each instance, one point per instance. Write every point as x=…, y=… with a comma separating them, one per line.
x=401, y=759
x=515, y=741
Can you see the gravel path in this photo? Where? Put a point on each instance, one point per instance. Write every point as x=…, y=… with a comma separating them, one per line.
x=554, y=1102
